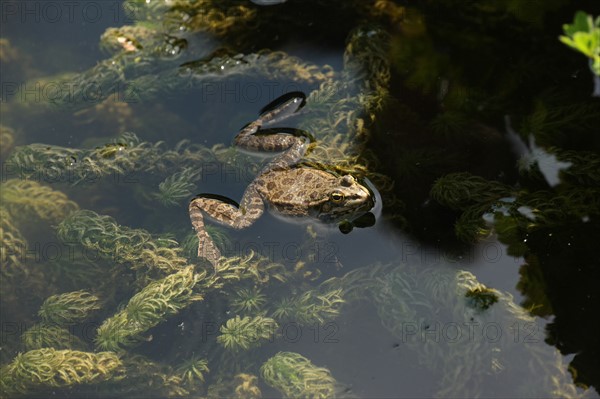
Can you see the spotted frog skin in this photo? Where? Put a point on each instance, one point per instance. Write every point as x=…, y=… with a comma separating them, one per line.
x=288, y=189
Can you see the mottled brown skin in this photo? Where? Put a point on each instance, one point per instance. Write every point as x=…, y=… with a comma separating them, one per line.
x=288, y=190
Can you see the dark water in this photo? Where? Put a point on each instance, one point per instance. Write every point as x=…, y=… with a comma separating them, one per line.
x=480, y=135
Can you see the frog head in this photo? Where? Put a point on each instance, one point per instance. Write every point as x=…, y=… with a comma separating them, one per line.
x=346, y=200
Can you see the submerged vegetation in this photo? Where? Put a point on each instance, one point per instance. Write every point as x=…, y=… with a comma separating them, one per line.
x=296, y=377
x=50, y=368
x=99, y=268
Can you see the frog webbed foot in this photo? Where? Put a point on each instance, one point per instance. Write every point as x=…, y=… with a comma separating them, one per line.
x=208, y=250
x=282, y=107
x=363, y=221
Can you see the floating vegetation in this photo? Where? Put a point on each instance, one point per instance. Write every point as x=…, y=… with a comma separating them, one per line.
x=482, y=297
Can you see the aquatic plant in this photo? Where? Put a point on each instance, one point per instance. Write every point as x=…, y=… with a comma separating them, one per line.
x=242, y=385
x=482, y=297
x=309, y=307
x=515, y=213
x=6, y=140
x=144, y=63
x=147, y=67
x=343, y=108
x=124, y=155
x=153, y=304
x=84, y=271
x=110, y=115
x=25, y=199
x=584, y=169
x=134, y=247
x=244, y=333
x=247, y=386
x=218, y=234
x=252, y=267
x=192, y=371
x=69, y=308
x=462, y=190
x=474, y=196
x=204, y=15
x=134, y=38
x=177, y=187
x=118, y=156
x=51, y=368
x=533, y=284
x=426, y=307
x=48, y=335
x=297, y=377
x=248, y=300
x=12, y=245
x=145, y=377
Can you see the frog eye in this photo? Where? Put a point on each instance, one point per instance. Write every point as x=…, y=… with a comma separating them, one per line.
x=337, y=197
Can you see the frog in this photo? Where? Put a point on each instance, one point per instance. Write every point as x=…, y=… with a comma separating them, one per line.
x=284, y=186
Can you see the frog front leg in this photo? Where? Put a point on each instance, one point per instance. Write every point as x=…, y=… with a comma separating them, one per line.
x=227, y=213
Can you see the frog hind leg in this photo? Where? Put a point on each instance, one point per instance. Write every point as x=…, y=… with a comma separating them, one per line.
x=206, y=247
x=226, y=212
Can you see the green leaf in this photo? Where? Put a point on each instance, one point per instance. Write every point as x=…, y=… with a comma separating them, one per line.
x=584, y=43
x=580, y=24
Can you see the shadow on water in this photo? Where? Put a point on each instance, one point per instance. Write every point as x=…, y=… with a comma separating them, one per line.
x=473, y=121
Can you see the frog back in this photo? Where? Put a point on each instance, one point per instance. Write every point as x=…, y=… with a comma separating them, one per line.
x=295, y=191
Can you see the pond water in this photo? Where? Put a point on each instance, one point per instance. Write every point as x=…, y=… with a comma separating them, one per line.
x=475, y=126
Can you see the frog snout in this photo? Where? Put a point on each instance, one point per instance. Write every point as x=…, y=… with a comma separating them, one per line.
x=361, y=196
